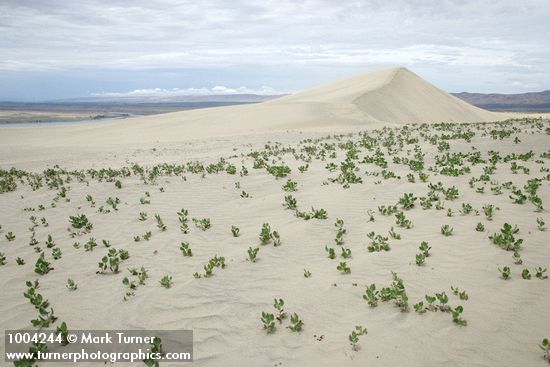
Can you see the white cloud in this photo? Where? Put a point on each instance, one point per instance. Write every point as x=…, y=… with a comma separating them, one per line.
x=217, y=90
x=478, y=40
x=178, y=34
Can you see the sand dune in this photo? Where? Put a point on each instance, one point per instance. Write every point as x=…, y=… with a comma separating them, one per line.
x=394, y=95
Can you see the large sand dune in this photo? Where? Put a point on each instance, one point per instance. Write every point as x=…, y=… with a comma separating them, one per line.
x=373, y=99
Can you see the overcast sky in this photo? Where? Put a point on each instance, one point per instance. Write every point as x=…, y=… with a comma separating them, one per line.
x=61, y=49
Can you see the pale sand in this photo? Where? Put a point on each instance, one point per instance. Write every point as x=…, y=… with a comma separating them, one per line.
x=506, y=319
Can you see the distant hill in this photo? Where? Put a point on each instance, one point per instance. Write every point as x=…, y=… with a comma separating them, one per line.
x=524, y=102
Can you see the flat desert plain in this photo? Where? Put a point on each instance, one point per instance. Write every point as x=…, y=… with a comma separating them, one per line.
x=399, y=225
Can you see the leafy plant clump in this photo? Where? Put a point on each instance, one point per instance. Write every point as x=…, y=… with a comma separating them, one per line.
x=506, y=238
x=253, y=253
x=267, y=235
x=295, y=323
x=268, y=320
x=354, y=336
x=166, y=281
x=42, y=266
x=110, y=261
x=545, y=346
x=185, y=249
x=79, y=225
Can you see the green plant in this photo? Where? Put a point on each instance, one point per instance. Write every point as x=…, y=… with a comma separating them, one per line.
x=370, y=213
x=489, y=209
x=353, y=339
x=160, y=223
x=307, y=273
x=19, y=261
x=155, y=350
x=540, y=273
x=420, y=259
x=446, y=230
x=290, y=202
x=90, y=199
x=407, y=201
x=71, y=285
x=339, y=239
x=319, y=213
x=425, y=248
x=42, y=266
x=110, y=261
x=545, y=346
x=290, y=186
x=166, y=281
x=63, y=332
x=457, y=316
x=231, y=169
x=141, y=274
x=142, y=216
x=331, y=252
x=296, y=323
x=268, y=321
x=506, y=239
x=90, y=244
x=371, y=295
x=203, y=223
x=235, y=231
x=279, y=306
x=466, y=209
x=541, y=224
x=45, y=317
x=343, y=268
x=354, y=336
x=419, y=307
x=278, y=171
x=50, y=242
x=346, y=253
x=517, y=257
x=396, y=292
x=276, y=238
x=216, y=261
x=379, y=243
x=443, y=300
x=10, y=236
x=430, y=300
x=56, y=253
x=480, y=227
x=185, y=249
x=113, y=202
x=401, y=221
x=525, y=274
x=252, y=253
x=505, y=272
x=394, y=234
x=265, y=234
x=80, y=222
x=462, y=295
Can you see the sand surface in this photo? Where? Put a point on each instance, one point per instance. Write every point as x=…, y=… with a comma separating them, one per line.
x=506, y=318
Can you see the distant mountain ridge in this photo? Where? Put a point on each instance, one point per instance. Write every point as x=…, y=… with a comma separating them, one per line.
x=532, y=101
